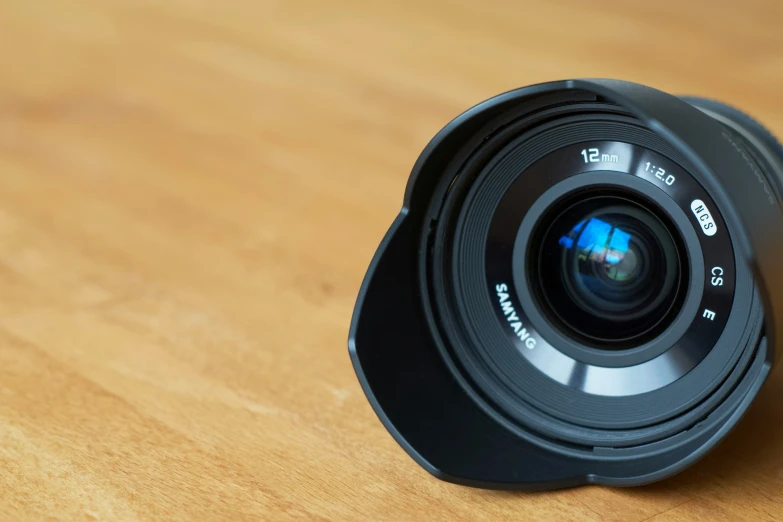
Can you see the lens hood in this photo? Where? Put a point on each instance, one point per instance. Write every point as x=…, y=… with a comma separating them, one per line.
x=484, y=390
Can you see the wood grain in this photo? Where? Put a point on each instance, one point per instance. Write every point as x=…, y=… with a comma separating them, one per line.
x=190, y=192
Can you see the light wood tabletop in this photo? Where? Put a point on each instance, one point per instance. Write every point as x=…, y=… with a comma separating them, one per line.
x=190, y=194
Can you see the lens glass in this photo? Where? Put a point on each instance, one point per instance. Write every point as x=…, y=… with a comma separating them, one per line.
x=609, y=269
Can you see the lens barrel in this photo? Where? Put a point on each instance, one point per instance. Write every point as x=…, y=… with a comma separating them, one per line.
x=582, y=287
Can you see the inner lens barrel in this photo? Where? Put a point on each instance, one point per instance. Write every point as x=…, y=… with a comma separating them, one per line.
x=608, y=270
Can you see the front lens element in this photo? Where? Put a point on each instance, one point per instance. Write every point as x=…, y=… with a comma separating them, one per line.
x=608, y=269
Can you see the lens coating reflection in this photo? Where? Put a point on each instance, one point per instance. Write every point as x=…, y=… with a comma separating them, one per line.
x=609, y=270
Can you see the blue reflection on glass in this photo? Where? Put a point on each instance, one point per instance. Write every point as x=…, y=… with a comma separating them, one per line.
x=618, y=246
x=599, y=240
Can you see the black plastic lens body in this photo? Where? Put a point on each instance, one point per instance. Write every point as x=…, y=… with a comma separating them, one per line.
x=582, y=287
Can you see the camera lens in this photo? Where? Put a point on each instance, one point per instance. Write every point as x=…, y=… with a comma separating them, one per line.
x=607, y=269
x=583, y=286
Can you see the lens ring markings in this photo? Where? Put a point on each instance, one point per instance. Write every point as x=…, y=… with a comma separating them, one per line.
x=651, y=366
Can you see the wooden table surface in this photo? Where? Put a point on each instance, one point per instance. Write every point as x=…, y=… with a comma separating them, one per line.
x=190, y=193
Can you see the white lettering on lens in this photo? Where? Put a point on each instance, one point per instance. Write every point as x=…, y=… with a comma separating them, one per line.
x=596, y=156
x=708, y=225
x=507, y=307
x=660, y=174
x=709, y=314
x=513, y=319
x=717, y=280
